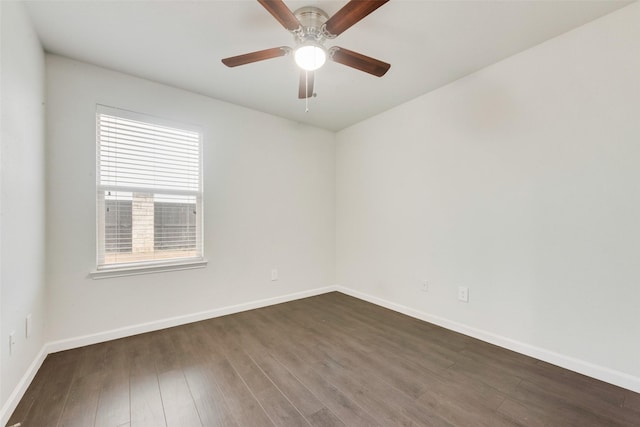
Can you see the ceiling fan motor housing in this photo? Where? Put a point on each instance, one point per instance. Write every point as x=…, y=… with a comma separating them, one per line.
x=311, y=29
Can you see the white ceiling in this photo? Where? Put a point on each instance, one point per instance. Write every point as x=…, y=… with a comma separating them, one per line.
x=181, y=43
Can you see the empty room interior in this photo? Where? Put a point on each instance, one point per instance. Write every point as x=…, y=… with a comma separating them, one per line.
x=326, y=213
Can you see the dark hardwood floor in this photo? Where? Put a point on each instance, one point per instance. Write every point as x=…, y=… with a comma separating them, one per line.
x=330, y=360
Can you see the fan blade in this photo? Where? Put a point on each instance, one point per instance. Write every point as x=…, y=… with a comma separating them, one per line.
x=282, y=13
x=306, y=84
x=358, y=61
x=351, y=13
x=260, y=55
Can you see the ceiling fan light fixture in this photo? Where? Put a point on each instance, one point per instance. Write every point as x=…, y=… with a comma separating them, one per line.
x=310, y=56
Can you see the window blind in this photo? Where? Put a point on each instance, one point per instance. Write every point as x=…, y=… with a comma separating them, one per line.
x=149, y=190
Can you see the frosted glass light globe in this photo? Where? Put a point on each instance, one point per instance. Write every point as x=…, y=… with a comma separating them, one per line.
x=310, y=57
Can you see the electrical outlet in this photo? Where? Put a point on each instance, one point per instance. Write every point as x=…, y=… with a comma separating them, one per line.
x=27, y=326
x=425, y=286
x=274, y=274
x=12, y=342
x=463, y=293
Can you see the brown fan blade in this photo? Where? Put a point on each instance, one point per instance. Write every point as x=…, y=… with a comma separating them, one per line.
x=359, y=61
x=282, y=13
x=351, y=13
x=305, y=89
x=260, y=55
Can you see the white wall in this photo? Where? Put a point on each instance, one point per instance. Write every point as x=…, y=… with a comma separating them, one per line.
x=22, y=198
x=269, y=202
x=520, y=181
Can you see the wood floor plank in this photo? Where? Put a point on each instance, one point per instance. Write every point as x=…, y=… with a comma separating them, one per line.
x=179, y=406
x=244, y=406
x=82, y=401
x=207, y=394
x=113, y=407
x=145, y=397
x=208, y=397
x=166, y=355
x=177, y=401
x=328, y=360
x=146, y=401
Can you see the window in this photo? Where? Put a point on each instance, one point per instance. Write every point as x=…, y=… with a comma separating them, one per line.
x=149, y=192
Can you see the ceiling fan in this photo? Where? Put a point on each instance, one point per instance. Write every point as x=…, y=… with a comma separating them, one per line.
x=310, y=27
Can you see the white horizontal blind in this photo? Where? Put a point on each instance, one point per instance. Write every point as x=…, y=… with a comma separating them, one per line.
x=149, y=191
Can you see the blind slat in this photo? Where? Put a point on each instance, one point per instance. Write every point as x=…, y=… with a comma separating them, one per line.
x=107, y=121
x=144, y=145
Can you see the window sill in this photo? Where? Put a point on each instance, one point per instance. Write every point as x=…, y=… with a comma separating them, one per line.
x=148, y=268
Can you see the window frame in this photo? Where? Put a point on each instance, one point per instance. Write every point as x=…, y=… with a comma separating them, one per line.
x=154, y=265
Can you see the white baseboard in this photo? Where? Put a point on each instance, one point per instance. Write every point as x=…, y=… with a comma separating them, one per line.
x=67, y=344
x=602, y=373
x=12, y=402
